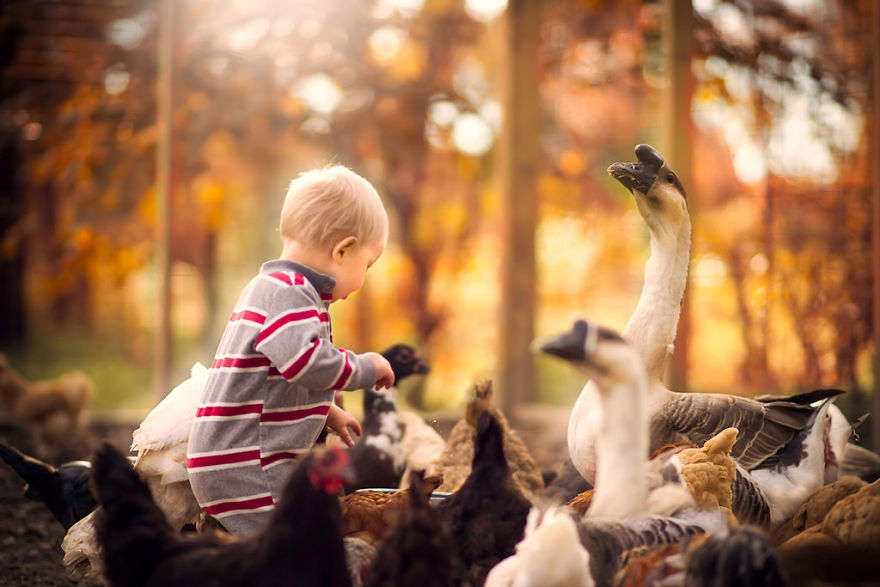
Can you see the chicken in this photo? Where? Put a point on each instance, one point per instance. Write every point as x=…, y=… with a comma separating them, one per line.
x=455, y=462
x=369, y=514
x=550, y=555
x=300, y=545
x=843, y=548
x=359, y=557
x=421, y=444
x=52, y=412
x=378, y=456
x=418, y=551
x=160, y=442
x=814, y=509
x=64, y=489
x=566, y=485
x=742, y=557
x=487, y=514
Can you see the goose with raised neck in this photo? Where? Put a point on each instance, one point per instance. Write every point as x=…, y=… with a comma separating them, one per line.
x=781, y=438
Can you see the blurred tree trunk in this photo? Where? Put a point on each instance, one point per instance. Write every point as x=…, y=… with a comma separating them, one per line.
x=678, y=144
x=875, y=233
x=519, y=152
x=11, y=247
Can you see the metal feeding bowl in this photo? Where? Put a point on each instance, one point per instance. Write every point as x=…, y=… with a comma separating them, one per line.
x=436, y=497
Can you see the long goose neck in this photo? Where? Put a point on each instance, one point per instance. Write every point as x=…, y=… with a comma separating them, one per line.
x=621, y=486
x=653, y=325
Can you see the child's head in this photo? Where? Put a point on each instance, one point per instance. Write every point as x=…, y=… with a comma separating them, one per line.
x=323, y=206
x=338, y=218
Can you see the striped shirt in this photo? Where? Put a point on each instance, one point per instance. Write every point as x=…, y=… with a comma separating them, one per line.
x=268, y=393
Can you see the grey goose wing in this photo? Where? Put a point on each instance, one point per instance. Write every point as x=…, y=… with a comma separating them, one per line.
x=765, y=428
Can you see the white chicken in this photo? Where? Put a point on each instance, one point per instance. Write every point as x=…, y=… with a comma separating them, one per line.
x=160, y=442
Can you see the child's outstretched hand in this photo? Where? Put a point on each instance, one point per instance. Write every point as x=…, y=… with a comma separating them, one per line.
x=384, y=374
x=339, y=421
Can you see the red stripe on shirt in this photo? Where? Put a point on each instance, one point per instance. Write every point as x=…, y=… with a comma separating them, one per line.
x=289, y=318
x=248, y=315
x=234, y=506
x=227, y=411
x=240, y=362
x=279, y=456
x=346, y=372
x=327, y=297
x=300, y=363
x=231, y=458
x=293, y=415
x=298, y=279
x=281, y=276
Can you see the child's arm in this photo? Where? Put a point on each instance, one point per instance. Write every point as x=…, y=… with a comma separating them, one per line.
x=339, y=421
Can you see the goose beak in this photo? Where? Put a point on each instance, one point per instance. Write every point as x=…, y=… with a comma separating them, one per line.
x=638, y=177
x=570, y=346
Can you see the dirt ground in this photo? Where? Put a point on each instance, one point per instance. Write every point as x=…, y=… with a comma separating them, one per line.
x=30, y=537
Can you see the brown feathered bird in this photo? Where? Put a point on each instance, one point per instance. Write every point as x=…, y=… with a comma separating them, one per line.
x=487, y=515
x=52, y=412
x=418, y=551
x=843, y=548
x=370, y=514
x=455, y=461
x=300, y=545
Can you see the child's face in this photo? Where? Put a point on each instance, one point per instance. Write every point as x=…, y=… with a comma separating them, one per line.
x=351, y=269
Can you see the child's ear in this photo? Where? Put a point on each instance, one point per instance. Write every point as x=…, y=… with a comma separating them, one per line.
x=343, y=248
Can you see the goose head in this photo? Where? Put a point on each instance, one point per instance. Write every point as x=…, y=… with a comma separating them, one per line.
x=599, y=353
x=659, y=194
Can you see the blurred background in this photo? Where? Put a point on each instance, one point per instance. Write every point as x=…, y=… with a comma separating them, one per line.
x=146, y=147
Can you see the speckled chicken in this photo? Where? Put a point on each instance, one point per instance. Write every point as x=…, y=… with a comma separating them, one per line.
x=369, y=514
x=418, y=551
x=455, y=461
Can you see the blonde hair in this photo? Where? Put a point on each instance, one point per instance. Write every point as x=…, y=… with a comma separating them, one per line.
x=323, y=206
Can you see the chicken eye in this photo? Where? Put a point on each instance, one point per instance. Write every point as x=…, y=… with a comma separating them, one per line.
x=670, y=178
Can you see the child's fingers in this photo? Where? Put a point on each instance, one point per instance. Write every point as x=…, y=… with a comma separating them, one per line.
x=356, y=427
x=345, y=436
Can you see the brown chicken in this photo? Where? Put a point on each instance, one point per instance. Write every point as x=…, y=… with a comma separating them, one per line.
x=455, y=461
x=843, y=548
x=370, y=514
x=52, y=412
x=816, y=507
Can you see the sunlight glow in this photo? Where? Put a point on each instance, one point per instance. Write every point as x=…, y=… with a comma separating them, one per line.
x=709, y=270
x=319, y=92
x=485, y=10
x=385, y=42
x=116, y=80
x=245, y=37
x=472, y=135
x=748, y=163
x=406, y=8
x=443, y=113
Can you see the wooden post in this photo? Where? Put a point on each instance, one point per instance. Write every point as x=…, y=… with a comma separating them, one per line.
x=677, y=145
x=518, y=158
x=875, y=228
x=163, y=197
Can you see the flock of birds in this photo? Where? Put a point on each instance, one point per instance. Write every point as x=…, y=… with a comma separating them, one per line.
x=661, y=487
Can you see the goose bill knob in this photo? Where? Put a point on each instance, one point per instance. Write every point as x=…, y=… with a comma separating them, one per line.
x=638, y=177
x=576, y=345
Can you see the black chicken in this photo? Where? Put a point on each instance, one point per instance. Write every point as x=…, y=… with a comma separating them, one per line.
x=487, y=515
x=418, y=552
x=64, y=489
x=301, y=544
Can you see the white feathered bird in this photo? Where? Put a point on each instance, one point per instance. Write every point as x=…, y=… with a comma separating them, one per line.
x=160, y=442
